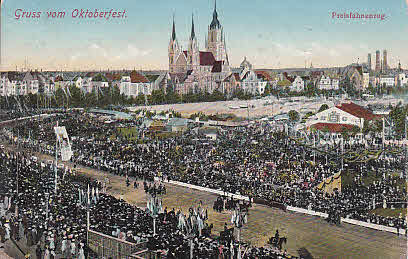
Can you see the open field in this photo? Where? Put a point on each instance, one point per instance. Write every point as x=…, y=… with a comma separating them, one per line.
x=390, y=212
x=257, y=107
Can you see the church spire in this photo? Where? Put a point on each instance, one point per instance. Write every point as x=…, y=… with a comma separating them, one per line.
x=173, y=34
x=192, y=27
x=215, y=23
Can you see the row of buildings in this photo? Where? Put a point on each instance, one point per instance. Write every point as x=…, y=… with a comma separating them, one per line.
x=244, y=78
x=130, y=83
x=192, y=70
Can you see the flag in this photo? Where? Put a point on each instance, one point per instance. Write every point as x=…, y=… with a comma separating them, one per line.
x=233, y=218
x=65, y=92
x=69, y=93
x=89, y=201
x=79, y=195
x=87, y=212
x=63, y=140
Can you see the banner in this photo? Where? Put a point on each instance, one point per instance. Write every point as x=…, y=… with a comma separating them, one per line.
x=63, y=141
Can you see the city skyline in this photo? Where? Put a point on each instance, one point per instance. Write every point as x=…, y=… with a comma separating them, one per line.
x=278, y=35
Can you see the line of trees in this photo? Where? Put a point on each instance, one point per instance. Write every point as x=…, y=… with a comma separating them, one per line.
x=108, y=96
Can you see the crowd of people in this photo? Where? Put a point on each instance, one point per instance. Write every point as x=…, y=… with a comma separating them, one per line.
x=225, y=203
x=55, y=223
x=255, y=161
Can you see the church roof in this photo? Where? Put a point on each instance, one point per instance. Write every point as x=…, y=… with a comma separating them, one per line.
x=217, y=67
x=206, y=58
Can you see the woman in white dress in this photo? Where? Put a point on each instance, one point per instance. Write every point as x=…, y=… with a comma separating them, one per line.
x=81, y=252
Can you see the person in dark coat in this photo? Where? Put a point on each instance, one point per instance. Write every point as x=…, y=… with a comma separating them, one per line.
x=38, y=251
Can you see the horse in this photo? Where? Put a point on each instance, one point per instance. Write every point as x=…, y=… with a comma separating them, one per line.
x=277, y=243
x=281, y=241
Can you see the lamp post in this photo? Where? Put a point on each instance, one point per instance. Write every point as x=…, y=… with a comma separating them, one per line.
x=239, y=218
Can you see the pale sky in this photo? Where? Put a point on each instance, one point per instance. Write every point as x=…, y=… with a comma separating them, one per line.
x=272, y=34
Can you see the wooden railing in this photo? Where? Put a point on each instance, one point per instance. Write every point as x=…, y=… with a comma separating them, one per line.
x=108, y=246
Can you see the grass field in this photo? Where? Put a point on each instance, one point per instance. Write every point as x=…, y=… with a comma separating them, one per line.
x=389, y=212
x=129, y=133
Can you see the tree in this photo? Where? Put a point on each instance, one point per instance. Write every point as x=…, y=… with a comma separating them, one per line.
x=284, y=83
x=323, y=107
x=77, y=99
x=293, y=115
x=307, y=115
x=345, y=134
x=398, y=115
x=366, y=127
x=268, y=89
x=355, y=130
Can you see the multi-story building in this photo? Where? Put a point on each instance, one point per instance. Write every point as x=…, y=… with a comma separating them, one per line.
x=250, y=83
x=402, y=80
x=192, y=69
x=387, y=80
x=377, y=61
x=385, y=60
x=366, y=79
x=340, y=117
x=327, y=83
x=369, y=61
x=298, y=84
x=135, y=84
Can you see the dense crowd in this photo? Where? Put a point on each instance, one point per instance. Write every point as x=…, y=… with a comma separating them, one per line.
x=55, y=224
x=254, y=161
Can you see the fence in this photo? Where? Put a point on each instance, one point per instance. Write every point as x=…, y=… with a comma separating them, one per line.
x=295, y=209
x=110, y=247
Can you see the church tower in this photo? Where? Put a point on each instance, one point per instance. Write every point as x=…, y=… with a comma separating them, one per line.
x=216, y=38
x=174, y=50
x=193, y=52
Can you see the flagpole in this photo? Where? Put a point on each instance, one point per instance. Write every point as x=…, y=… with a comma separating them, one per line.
x=87, y=225
x=18, y=146
x=56, y=160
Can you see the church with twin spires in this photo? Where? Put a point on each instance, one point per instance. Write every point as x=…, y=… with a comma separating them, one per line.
x=192, y=70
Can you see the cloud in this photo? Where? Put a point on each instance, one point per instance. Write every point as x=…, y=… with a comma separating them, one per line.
x=136, y=52
x=98, y=50
x=310, y=28
x=75, y=56
x=94, y=46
